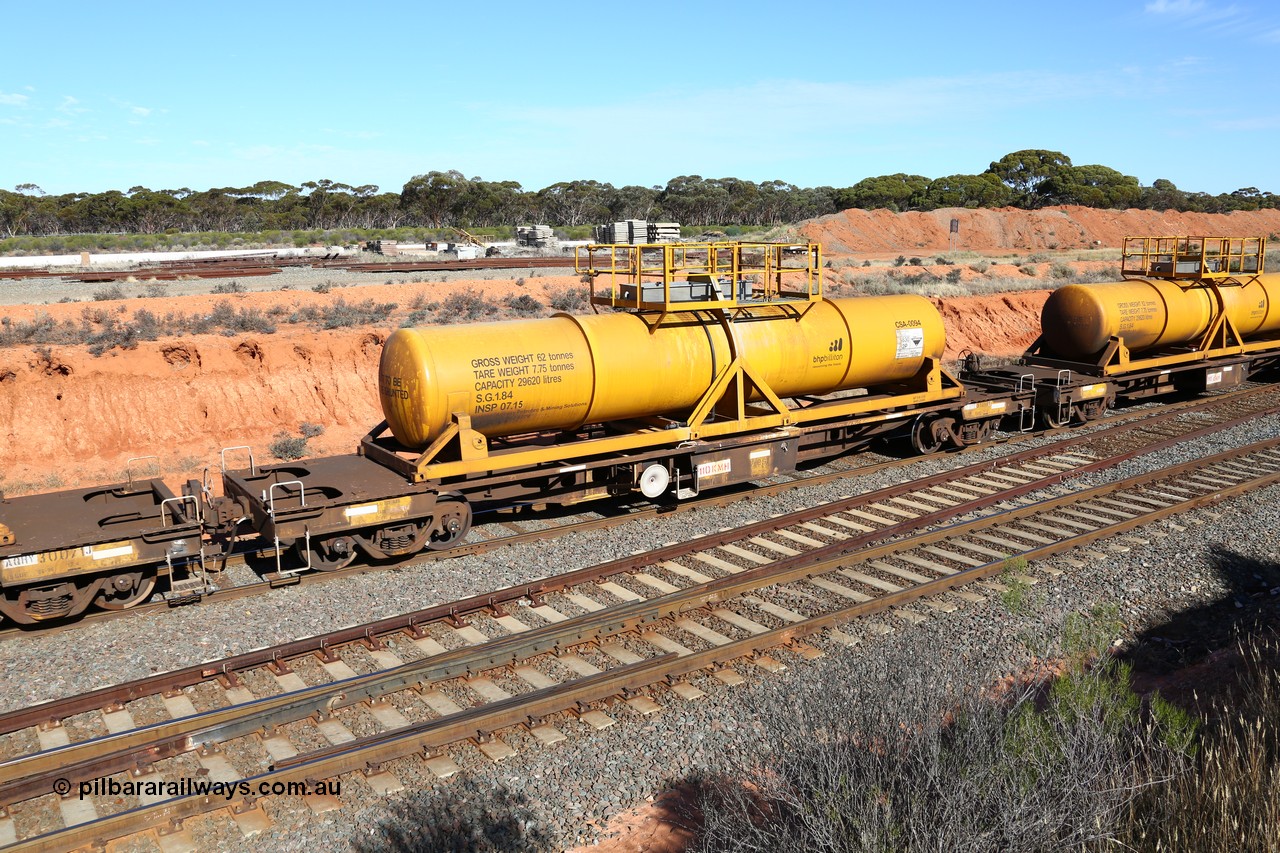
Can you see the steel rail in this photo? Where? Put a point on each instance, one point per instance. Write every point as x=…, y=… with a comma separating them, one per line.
x=535, y=590
x=19, y=777
x=1131, y=421
x=372, y=751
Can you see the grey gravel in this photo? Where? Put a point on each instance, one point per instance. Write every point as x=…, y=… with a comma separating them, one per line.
x=35, y=291
x=574, y=786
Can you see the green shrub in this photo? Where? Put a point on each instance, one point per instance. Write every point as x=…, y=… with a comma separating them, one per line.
x=367, y=313
x=523, y=304
x=226, y=319
x=879, y=753
x=107, y=294
x=465, y=305
x=421, y=317
x=570, y=299
x=287, y=448
x=466, y=815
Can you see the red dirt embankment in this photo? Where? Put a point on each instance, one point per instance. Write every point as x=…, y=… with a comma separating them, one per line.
x=80, y=417
x=1009, y=229
x=999, y=325
x=83, y=417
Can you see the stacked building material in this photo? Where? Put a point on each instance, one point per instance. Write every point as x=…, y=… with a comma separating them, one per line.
x=636, y=231
x=664, y=232
x=538, y=236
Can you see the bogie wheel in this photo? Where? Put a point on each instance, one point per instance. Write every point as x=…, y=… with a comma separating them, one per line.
x=984, y=431
x=59, y=600
x=1051, y=417
x=120, y=592
x=1053, y=421
x=329, y=555
x=453, y=523
x=928, y=435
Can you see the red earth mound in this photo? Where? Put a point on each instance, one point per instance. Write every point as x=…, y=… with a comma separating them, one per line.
x=70, y=418
x=1009, y=229
x=82, y=417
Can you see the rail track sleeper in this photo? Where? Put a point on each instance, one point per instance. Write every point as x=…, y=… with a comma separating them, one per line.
x=1128, y=421
x=1207, y=497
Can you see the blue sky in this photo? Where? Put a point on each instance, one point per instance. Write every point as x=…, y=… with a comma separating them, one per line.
x=98, y=96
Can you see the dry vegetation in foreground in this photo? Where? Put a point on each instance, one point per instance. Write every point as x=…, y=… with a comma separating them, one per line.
x=1071, y=758
x=972, y=274
x=879, y=753
x=103, y=329
x=968, y=274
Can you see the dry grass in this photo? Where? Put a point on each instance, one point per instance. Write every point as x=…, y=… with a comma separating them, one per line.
x=102, y=329
x=884, y=754
x=994, y=279
x=1226, y=798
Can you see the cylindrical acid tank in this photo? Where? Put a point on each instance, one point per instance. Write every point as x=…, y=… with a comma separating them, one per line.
x=564, y=371
x=1079, y=319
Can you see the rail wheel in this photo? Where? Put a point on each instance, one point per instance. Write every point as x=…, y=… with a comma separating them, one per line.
x=120, y=592
x=1095, y=409
x=329, y=555
x=453, y=523
x=929, y=435
x=1052, y=418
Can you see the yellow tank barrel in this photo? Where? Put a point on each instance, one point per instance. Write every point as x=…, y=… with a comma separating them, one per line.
x=1078, y=320
x=565, y=371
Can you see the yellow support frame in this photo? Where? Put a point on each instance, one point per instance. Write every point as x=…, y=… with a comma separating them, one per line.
x=649, y=276
x=1192, y=258
x=933, y=385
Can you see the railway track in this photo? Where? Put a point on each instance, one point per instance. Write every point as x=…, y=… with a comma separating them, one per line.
x=1172, y=421
x=260, y=265
x=622, y=637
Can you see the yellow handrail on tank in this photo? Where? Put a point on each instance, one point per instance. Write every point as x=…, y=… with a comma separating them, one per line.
x=1193, y=258
x=671, y=277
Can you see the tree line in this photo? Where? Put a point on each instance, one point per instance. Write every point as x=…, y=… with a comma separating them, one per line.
x=1025, y=179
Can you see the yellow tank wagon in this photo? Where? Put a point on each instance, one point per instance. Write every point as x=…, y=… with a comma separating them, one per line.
x=1185, y=299
x=1080, y=320
x=563, y=372
x=1193, y=314
x=706, y=364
